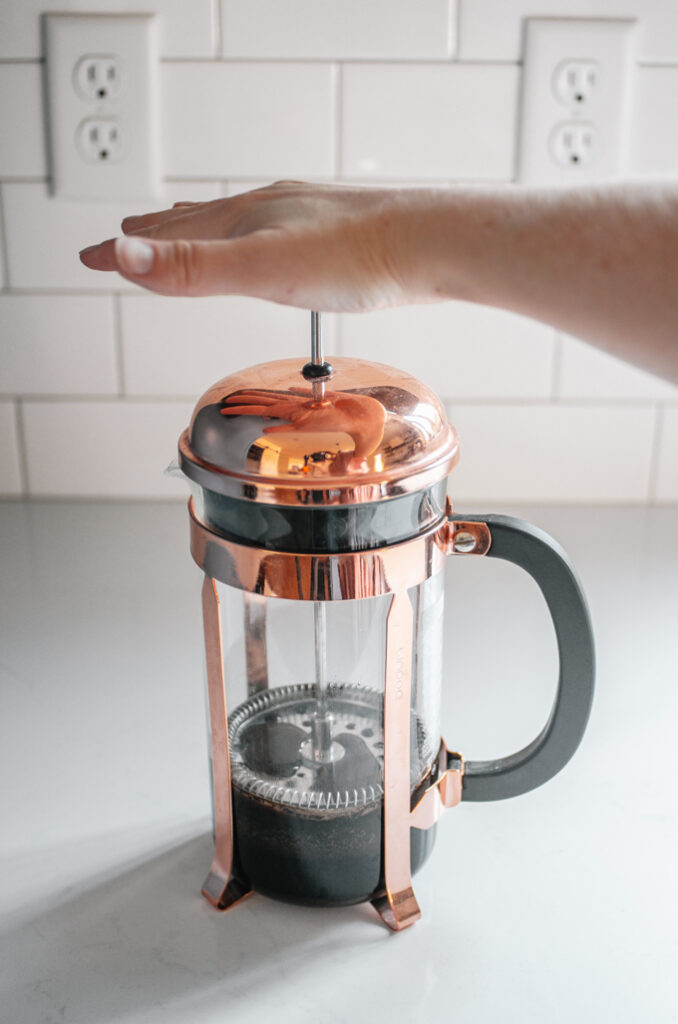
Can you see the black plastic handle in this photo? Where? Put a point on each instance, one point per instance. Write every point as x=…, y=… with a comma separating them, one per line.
x=543, y=558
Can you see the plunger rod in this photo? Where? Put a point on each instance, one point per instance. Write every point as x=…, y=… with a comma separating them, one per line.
x=317, y=355
x=321, y=723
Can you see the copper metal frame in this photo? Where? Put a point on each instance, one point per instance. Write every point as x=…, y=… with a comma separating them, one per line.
x=221, y=887
x=337, y=577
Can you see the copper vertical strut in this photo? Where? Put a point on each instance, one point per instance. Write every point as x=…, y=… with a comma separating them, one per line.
x=398, y=907
x=220, y=888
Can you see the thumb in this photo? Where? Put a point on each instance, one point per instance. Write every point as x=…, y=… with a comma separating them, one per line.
x=180, y=266
x=185, y=267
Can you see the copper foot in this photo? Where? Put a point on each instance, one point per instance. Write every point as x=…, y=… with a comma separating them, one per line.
x=224, y=893
x=398, y=911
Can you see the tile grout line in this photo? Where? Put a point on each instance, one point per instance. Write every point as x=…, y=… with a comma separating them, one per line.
x=454, y=27
x=218, y=22
x=116, y=299
x=443, y=62
x=4, y=250
x=556, y=368
x=22, y=450
x=338, y=107
x=339, y=333
x=653, y=475
x=453, y=55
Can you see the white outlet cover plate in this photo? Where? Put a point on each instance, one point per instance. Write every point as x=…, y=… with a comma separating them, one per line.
x=131, y=41
x=548, y=43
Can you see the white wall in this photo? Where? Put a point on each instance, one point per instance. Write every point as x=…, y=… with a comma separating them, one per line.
x=96, y=384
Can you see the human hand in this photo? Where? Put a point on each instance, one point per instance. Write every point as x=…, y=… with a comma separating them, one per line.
x=324, y=247
x=344, y=249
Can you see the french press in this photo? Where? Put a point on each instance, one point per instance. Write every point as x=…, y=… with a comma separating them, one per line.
x=320, y=520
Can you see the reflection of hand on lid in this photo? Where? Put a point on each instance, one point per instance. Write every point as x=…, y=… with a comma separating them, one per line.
x=361, y=417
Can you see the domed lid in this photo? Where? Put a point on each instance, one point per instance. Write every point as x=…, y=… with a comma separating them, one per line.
x=353, y=432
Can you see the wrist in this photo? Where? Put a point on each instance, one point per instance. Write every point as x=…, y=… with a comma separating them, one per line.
x=452, y=243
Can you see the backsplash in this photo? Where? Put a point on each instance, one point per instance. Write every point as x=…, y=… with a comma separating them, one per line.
x=97, y=378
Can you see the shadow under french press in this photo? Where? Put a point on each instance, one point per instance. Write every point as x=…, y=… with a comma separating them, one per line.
x=145, y=938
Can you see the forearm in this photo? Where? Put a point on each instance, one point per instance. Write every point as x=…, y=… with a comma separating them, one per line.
x=601, y=264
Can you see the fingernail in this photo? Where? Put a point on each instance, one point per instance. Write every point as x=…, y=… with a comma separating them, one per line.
x=134, y=255
x=88, y=248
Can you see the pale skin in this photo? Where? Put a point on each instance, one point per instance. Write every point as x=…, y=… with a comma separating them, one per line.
x=601, y=264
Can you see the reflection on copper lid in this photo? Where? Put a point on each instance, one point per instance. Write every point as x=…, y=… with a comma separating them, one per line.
x=260, y=434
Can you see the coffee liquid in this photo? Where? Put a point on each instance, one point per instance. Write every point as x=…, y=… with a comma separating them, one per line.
x=307, y=832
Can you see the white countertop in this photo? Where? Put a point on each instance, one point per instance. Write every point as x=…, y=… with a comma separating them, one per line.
x=556, y=906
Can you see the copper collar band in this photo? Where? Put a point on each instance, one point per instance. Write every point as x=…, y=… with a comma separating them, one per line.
x=340, y=577
x=303, y=577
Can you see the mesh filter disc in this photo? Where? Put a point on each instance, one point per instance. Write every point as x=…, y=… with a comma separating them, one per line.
x=269, y=734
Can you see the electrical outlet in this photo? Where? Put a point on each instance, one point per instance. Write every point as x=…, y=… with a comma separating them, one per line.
x=101, y=140
x=98, y=77
x=576, y=99
x=102, y=99
x=576, y=82
x=573, y=142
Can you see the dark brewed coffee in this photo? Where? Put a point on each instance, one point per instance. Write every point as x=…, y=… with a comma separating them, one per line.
x=330, y=859
x=307, y=831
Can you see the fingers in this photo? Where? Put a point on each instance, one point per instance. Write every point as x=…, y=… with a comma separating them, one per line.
x=253, y=398
x=185, y=219
x=198, y=220
x=257, y=395
x=274, y=411
x=248, y=410
x=149, y=222
x=244, y=266
x=101, y=256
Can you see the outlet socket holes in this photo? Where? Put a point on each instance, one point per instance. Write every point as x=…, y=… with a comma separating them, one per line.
x=576, y=82
x=572, y=143
x=97, y=79
x=100, y=140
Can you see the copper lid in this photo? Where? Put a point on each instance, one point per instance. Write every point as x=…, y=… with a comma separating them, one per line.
x=367, y=433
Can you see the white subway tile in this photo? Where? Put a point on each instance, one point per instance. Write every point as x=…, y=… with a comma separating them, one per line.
x=429, y=121
x=338, y=29
x=22, y=148
x=3, y=271
x=653, y=140
x=186, y=29
x=564, y=453
x=586, y=372
x=44, y=235
x=459, y=349
x=192, y=191
x=492, y=29
x=181, y=346
x=10, y=472
x=667, y=469
x=57, y=345
x=253, y=119
x=113, y=449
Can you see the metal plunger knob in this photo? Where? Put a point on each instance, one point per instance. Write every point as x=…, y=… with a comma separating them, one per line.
x=317, y=371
